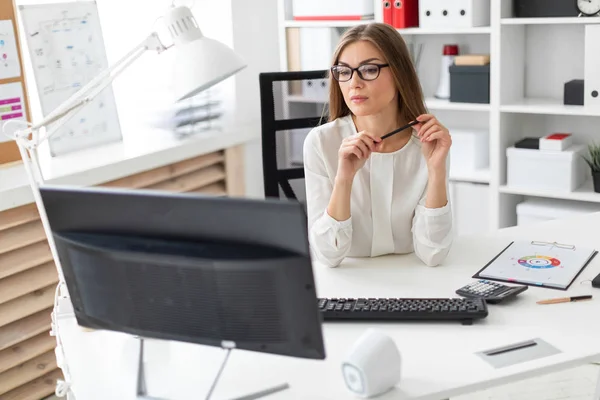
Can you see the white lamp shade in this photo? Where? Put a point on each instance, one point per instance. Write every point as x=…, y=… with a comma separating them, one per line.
x=201, y=64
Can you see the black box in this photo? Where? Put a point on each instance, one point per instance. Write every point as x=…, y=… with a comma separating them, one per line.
x=470, y=83
x=544, y=8
x=573, y=94
x=532, y=143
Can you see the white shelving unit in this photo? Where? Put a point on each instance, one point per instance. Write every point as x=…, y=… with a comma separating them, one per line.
x=532, y=58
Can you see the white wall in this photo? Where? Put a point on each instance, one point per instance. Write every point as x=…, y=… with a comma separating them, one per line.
x=256, y=39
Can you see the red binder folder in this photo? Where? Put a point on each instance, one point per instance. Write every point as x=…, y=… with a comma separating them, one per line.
x=405, y=13
x=387, y=12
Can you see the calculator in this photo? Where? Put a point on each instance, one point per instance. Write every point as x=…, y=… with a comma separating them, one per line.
x=492, y=292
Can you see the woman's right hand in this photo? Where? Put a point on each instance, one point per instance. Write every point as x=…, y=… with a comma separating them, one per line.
x=354, y=152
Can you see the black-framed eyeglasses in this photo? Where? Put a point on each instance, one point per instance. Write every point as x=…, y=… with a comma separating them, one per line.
x=366, y=72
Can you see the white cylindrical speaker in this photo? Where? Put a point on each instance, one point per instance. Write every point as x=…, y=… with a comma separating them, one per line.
x=372, y=366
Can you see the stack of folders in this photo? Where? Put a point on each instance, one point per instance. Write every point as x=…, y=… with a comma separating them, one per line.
x=197, y=114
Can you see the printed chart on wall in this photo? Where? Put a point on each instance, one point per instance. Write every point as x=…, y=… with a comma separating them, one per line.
x=553, y=265
x=67, y=51
x=12, y=108
x=9, y=58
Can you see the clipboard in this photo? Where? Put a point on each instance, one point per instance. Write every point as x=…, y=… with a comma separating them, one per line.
x=536, y=263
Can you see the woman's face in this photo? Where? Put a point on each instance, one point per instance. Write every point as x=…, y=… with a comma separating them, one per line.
x=363, y=96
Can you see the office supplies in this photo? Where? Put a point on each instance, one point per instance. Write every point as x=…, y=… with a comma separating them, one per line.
x=545, y=264
x=470, y=83
x=409, y=309
x=591, y=81
x=517, y=353
x=182, y=267
x=449, y=53
x=565, y=299
x=405, y=13
x=387, y=135
x=439, y=14
x=386, y=6
x=373, y=364
x=528, y=143
x=556, y=141
x=491, y=292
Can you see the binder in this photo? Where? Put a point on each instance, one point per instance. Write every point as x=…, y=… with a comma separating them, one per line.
x=387, y=12
x=545, y=264
x=405, y=13
x=591, y=82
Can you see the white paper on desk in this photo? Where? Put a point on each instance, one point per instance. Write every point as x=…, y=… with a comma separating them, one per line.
x=9, y=58
x=538, y=263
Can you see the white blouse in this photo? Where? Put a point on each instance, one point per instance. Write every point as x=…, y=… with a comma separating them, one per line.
x=388, y=213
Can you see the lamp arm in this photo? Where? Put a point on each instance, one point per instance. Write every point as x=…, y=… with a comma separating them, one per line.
x=87, y=93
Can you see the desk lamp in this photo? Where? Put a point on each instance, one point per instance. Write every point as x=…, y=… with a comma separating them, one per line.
x=201, y=62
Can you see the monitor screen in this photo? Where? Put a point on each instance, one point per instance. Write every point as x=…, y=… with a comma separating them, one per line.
x=188, y=267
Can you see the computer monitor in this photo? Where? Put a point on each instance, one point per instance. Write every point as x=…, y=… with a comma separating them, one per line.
x=188, y=267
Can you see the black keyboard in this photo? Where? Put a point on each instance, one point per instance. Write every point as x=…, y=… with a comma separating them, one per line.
x=465, y=310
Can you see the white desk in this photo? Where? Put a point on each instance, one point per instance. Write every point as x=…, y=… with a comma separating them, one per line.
x=438, y=358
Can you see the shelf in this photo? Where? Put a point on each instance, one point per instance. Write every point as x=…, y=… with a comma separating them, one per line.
x=476, y=176
x=478, y=30
x=438, y=104
x=298, y=98
x=548, y=106
x=584, y=193
x=324, y=24
x=550, y=21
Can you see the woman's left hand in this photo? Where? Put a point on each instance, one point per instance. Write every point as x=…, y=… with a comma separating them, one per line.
x=435, y=139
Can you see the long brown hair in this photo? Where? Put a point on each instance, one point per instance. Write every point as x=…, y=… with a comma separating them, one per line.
x=393, y=48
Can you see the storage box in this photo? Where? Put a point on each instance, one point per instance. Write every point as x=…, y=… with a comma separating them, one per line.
x=316, y=47
x=469, y=150
x=560, y=171
x=540, y=210
x=437, y=14
x=573, y=92
x=544, y=8
x=333, y=10
x=470, y=203
x=470, y=83
x=556, y=142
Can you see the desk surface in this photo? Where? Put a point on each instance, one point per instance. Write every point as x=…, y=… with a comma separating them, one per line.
x=141, y=149
x=439, y=359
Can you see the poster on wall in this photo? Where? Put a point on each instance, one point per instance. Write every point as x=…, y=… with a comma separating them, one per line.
x=12, y=108
x=67, y=51
x=9, y=57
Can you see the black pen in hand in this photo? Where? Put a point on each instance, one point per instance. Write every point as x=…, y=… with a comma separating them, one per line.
x=387, y=135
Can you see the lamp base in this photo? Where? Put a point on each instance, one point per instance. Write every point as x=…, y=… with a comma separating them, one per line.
x=142, y=391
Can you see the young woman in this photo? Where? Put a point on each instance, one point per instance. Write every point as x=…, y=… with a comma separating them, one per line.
x=367, y=196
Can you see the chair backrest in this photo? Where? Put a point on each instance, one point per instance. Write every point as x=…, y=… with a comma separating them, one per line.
x=278, y=171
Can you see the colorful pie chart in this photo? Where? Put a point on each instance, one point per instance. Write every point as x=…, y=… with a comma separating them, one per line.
x=540, y=262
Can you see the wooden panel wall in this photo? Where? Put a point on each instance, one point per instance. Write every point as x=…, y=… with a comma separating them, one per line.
x=28, y=276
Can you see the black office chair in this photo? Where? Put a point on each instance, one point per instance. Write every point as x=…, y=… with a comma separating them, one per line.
x=276, y=171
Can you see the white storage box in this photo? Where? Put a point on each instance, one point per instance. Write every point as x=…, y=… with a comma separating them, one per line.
x=470, y=203
x=539, y=210
x=333, y=10
x=562, y=171
x=316, y=48
x=437, y=14
x=469, y=150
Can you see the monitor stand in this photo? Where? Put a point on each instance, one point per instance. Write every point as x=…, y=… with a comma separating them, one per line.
x=142, y=392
